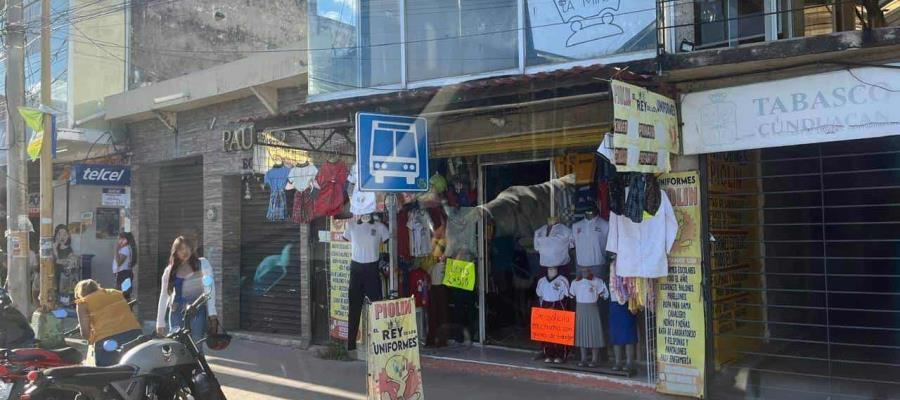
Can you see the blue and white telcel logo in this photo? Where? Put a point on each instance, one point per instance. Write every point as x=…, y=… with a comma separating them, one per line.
x=392, y=153
x=98, y=174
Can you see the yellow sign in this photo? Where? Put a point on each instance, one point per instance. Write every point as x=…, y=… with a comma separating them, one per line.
x=339, y=281
x=680, y=317
x=394, y=370
x=269, y=154
x=645, y=130
x=459, y=274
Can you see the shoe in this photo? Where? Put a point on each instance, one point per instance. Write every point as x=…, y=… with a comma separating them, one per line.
x=592, y=365
x=582, y=365
x=616, y=368
x=558, y=360
x=548, y=360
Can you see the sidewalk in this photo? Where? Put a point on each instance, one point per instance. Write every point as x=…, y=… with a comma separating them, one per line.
x=255, y=371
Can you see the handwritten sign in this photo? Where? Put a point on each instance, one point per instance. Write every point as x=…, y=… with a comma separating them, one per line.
x=460, y=274
x=339, y=281
x=553, y=326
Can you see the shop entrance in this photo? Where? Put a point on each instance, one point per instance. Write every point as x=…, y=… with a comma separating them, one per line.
x=511, y=267
x=805, y=284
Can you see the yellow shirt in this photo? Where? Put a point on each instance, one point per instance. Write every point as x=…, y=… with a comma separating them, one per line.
x=109, y=314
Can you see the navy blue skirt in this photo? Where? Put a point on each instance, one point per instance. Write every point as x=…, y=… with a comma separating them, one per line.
x=622, y=325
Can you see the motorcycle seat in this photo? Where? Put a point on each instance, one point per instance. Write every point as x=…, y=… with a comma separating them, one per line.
x=68, y=355
x=113, y=373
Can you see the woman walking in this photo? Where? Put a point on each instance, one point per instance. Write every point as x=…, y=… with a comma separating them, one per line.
x=186, y=278
x=103, y=314
x=124, y=262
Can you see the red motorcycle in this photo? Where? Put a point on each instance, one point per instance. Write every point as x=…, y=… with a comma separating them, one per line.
x=16, y=363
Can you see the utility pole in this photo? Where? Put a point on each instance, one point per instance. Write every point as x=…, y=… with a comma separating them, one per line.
x=49, y=327
x=16, y=172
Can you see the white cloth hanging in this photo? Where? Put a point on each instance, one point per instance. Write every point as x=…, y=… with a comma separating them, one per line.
x=642, y=248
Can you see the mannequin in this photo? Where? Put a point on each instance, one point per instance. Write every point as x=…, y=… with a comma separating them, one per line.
x=553, y=242
x=552, y=291
x=622, y=329
x=365, y=236
x=590, y=236
x=587, y=289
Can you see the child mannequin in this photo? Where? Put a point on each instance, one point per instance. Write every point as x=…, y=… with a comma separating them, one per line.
x=552, y=291
x=587, y=289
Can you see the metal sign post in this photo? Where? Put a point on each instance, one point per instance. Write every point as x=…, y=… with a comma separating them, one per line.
x=391, y=200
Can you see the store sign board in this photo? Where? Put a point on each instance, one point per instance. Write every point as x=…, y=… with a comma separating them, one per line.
x=114, y=197
x=392, y=153
x=840, y=105
x=645, y=130
x=680, y=317
x=392, y=360
x=553, y=326
x=339, y=281
x=101, y=174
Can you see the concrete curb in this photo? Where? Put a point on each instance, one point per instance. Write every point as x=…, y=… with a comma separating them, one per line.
x=276, y=340
x=599, y=382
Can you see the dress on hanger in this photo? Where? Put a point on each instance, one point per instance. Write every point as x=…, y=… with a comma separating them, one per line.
x=303, y=178
x=277, y=178
x=331, y=179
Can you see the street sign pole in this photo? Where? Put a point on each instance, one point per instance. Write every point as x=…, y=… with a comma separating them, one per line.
x=391, y=200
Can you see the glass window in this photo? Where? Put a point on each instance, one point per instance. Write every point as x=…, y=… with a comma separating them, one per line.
x=569, y=30
x=454, y=38
x=354, y=44
x=724, y=22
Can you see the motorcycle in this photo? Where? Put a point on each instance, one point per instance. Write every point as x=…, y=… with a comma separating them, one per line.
x=151, y=368
x=20, y=357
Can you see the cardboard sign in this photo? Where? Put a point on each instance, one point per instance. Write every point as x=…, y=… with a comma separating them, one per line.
x=459, y=274
x=553, y=326
x=394, y=369
x=338, y=281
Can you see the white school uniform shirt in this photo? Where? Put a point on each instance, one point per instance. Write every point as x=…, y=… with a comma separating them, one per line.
x=588, y=291
x=553, y=290
x=420, y=232
x=365, y=240
x=590, y=241
x=361, y=203
x=553, y=246
x=301, y=178
x=642, y=249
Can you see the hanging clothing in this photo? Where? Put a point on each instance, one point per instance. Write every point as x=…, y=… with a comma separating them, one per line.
x=651, y=194
x=642, y=248
x=553, y=245
x=603, y=199
x=276, y=179
x=361, y=203
x=302, y=177
x=635, y=195
x=331, y=179
x=617, y=195
x=304, y=205
x=590, y=242
x=462, y=224
x=420, y=232
x=565, y=203
x=403, y=236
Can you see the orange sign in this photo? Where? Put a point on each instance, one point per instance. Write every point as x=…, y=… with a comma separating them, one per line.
x=553, y=326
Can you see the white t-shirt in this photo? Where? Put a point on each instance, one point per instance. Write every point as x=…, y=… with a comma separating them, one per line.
x=361, y=203
x=437, y=274
x=590, y=241
x=553, y=245
x=303, y=177
x=125, y=251
x=589, y=291
x=553, y=290
x=365, y=240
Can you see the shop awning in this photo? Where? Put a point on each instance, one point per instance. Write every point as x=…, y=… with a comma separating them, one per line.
x=557, y=139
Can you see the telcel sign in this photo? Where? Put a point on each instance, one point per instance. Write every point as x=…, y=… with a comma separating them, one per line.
x=101, y=175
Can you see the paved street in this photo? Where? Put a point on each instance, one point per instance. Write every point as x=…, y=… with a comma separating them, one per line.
x=252, y=371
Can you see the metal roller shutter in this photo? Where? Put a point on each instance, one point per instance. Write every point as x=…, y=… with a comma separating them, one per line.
x=180, y=207
x=270, y=269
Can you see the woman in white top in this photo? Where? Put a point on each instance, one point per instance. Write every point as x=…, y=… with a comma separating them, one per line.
x=186, y=278
x=124, y=262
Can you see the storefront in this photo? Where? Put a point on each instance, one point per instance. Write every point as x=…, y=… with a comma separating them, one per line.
x=800, y=190
x=505, y=157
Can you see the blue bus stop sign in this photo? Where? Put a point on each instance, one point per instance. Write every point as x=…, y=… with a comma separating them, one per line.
x=391, y=153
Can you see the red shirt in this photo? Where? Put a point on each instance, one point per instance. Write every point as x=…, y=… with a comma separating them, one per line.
x=419, y=283
x=332, y=178
x=403, y=235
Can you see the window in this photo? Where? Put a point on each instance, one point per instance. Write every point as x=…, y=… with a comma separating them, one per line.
x=460, y=37
x=569, y=30
x=726, y=22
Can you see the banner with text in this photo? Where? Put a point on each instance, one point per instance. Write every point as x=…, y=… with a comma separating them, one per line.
x=553, y=326
x=680, y=320
x=459, y=274
x=645, y=130
x=339, y=280
x=394, y=370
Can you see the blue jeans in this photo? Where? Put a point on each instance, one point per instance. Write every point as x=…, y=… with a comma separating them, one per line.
x=103, y=358
x=199, y=323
